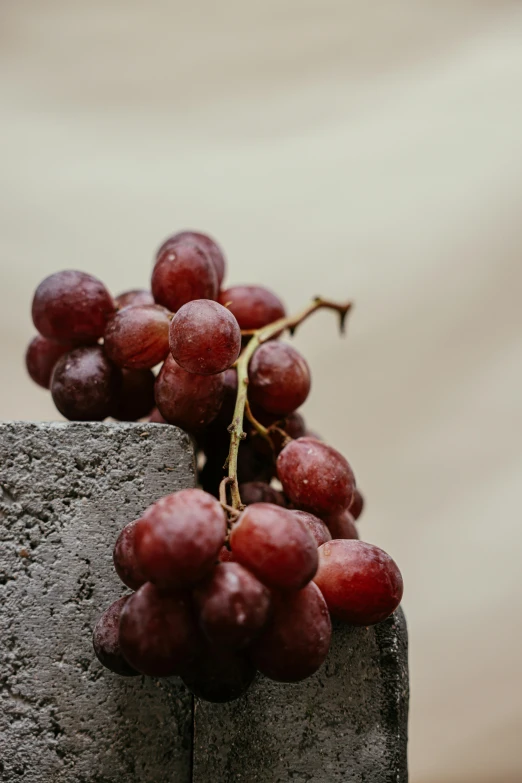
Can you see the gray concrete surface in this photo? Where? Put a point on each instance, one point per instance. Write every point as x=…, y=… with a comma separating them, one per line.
x=347, y=724
x=67, y=489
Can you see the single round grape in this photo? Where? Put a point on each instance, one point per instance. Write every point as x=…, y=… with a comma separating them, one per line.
x=156, y=417
x=72, y=306
x=139, y=296
x=226, y=412
x=41, y=357
x=315, y=476
x=357, y=504
x=106, y=640
x=297, y=639
x=275, y=545
x=204, y=337
x=136, y=397
x=125, y=560
x=294, y=425
x=315, y=525
x=137, y=337
x=85, y=384
x=261, y=492
x=341, y=524
x=220, y=675
x=233, y=605
x=178, y=539
x=183, y=272
x=158, y=634
x=190, y=401
x=361, y=584
x=206, y=242
x=252, y=305
x=279, y=378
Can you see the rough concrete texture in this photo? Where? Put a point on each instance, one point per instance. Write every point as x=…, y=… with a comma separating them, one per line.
x=67, y=490
x=347, y=723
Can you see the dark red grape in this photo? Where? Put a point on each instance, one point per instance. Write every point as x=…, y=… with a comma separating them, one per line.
x=156, y=417
x=136, y=397
x=178, y=539
x=315, y=477
x=297, y=639
x=357, y=504
x=72, y=306
x=206, y=242
x=275, y=545
x=137, y=337
x=125, y=560
x=138, y=296
x=85, y=385
x=183, y=272
x=219, y=675
x=294, y=425
x=106, y=640
x=41, y=357
x=226, y=412
x=279, y=378
x=315, y=525
x=158, y=634
x=204, y=337
x=233, y=606
x=190, y=401
x=361, y=584
x=341, y=524
x=261, y=492
x=225, y=555
x=252, y=305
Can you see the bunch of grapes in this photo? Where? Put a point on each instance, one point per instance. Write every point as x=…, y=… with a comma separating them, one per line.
x=244, y=573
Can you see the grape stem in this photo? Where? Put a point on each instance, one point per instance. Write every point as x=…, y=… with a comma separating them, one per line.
x=257, y=338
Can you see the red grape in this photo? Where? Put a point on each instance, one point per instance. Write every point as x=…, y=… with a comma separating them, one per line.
x=106, y=640
x=357, y=504
x=275, y=545
x=315, y=476
x=219, y=675
x=226, y=412
x=138, y=296
x=294, y=425
x=297, y=639
x=207, y=243
x=225, y=555
x=204, y=337
x=158, y=634
x=361, y=584
x=315, y=525
x=341, y=524
x=125, y=560
x=41, y=357
x=178, y=539
x=72, y=306
x=261, y=492
x=279, y=378
x=188, y=400
x=85, y=385
x=252, y=305
x=156, y=417
x=136, y=398
x=138, y=336
x=184, y=271
x=233, y=605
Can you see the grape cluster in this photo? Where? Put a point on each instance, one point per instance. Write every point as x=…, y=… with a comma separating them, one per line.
x=244, y=573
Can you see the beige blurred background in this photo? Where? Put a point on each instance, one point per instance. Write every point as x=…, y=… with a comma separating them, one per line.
x=368, y=150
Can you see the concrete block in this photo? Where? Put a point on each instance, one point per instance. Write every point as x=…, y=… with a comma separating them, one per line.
x=66, y=491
